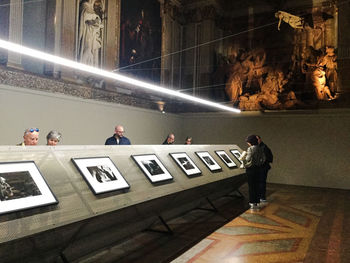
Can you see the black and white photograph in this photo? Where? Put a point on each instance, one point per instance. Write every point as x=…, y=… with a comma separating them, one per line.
x=186, y=164
x=236, y=154
x=209, y=161
x=152, y=167
x=101, y=174
x=226, y=159
x=22, y=186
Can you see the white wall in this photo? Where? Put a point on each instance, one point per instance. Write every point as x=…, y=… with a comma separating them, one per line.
x=310, y=148
x=80, y=121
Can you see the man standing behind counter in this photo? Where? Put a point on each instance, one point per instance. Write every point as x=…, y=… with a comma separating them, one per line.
x=118, y=137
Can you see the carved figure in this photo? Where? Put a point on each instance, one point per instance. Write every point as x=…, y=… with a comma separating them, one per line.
x=329, y=62
x=90, y=35
x=233, y=87
x=249, y=102
x=292, y=20
x=319, y=82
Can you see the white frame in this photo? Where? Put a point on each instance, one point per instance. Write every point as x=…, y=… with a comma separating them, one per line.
x=97, y=187
x=140, y=159
x=230, y=164
x=212, y=167
x=189, y=172
x=238, y=152
x=46, y=197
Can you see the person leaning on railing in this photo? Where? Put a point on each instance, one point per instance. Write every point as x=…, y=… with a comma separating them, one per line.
x=30, y=137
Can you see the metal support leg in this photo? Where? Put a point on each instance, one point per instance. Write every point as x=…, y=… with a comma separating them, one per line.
x=213, y=209
x=168, y=231
x=236, y=194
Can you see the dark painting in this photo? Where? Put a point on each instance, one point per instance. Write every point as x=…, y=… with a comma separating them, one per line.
x=140, y=39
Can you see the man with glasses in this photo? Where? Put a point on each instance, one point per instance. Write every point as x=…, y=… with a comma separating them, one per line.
x=118, y=137
x=30, y=137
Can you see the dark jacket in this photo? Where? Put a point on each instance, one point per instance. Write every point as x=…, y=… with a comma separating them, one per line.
x=268, y=154
x=113, y=141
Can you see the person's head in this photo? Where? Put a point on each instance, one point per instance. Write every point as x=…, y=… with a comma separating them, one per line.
x=259, y=139
x=119, y=131
x=188, y=140
x=31, y=136
x=252, y=140
x=53, y=137
x=171, y=138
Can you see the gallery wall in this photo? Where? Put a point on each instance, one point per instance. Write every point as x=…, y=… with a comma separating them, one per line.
x=310, y=148
x=80, y=121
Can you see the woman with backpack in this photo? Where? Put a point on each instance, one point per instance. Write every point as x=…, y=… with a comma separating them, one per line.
x=253, y=162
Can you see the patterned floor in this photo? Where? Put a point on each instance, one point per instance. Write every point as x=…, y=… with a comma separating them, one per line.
x=299, y=224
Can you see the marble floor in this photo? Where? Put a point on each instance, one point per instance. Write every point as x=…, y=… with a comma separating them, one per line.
x=299, y=224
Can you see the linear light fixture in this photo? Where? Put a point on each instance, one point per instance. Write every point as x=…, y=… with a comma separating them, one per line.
x=111, y=75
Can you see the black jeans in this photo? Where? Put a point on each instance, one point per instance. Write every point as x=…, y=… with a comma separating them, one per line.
x=262, y=182
x=253, y=174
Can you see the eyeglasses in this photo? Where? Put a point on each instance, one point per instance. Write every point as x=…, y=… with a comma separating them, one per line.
x=33, y=130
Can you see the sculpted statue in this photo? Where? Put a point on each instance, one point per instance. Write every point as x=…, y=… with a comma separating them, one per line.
x=292, y=20
x=329, y=62
x=233, y=87
x=319, y=82
x=90, y=34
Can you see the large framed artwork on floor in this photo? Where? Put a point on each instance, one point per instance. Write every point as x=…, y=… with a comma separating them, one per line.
x=22, y=187
x=152, y=167
x=101, y=174
x=226, y=159
x=209, y=161
x=237, y=154
x=186, y=164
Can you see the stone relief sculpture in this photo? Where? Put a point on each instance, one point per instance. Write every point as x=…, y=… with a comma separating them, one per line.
x=252, y=85
x=308, y=74
x=90, y=33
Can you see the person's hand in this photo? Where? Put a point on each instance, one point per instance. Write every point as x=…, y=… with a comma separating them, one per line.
x=243, y=155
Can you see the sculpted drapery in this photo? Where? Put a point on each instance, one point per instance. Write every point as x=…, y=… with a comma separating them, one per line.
x=90, y=35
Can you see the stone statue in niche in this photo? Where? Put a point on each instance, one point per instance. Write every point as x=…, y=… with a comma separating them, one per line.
x=90, y=37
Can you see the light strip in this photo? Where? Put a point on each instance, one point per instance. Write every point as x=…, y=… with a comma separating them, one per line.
x=115, y=76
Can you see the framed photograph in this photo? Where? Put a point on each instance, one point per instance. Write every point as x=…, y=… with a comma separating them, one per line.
x=209, y=161
x=186, y=164
x=226, y=159
x=152, y=167
x=236, y=154
x=101, y=174
x=22, y=187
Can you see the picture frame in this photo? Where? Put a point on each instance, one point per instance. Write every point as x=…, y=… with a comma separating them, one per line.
x=186, y=163
x=226, y=159
x=209, y=161
x=101, y=174
x=237, y=154
x=22, y=187
x=152, y=167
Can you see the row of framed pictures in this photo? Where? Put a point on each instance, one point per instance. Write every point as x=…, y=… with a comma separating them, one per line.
x=22, y=186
